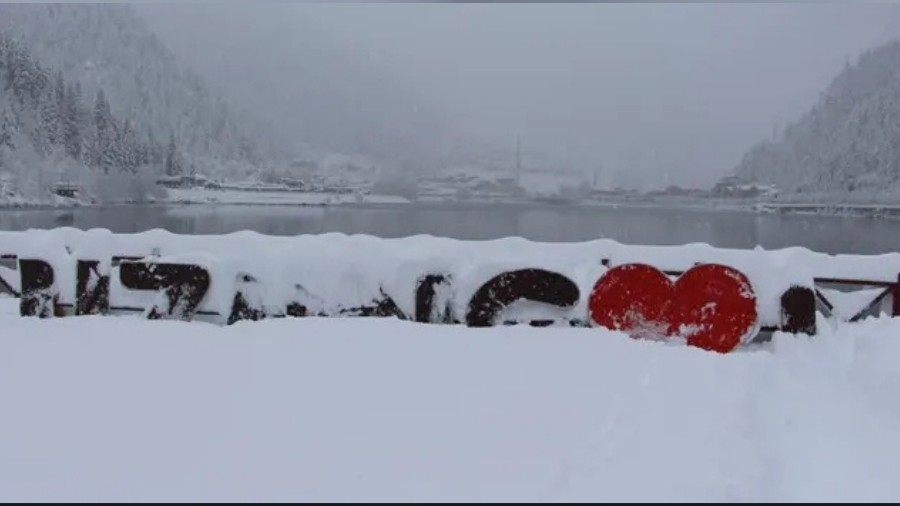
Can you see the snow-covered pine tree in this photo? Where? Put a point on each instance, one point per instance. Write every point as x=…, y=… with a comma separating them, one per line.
x=47, y=132
x=125, y=148
x=847, y=142
x=173, y=158
x=110, y=47
x=73, y=122
x=51, y=133
x=8, y=130
x=104, y=156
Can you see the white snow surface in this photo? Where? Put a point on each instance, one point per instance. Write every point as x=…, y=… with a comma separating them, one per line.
x=377, y=409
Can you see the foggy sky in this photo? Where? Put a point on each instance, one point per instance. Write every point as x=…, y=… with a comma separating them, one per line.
x=666, y=93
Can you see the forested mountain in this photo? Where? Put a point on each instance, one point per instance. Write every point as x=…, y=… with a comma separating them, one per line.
x=51, y=132
x=848, y=142
x=117, y=65
x=90, y=94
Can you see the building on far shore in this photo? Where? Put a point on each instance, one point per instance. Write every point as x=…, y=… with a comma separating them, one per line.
x=736, y=187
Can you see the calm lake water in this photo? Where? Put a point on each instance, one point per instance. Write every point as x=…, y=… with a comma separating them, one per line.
x=654, y=226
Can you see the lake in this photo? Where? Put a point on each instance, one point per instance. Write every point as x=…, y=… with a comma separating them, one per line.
x=653, y=226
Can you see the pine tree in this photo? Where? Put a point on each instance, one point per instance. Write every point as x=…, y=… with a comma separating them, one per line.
x=141, y=154
x=102, y=113
x=155, y=152
x=72, y=122
x=7, y=129
x=8, y=48
x=126, y=148
x=59, y=101
x=51, y=118
x=60, y=88
x=151, y=144
x=104, y=132
x=173, y=161
x=28, y=79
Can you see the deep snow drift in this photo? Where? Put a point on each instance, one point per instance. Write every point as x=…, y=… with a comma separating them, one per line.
x=369, y=409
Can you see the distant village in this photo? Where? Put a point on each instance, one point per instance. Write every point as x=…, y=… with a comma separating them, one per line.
x=466, y=185
x=354, y=178
x=731, y=187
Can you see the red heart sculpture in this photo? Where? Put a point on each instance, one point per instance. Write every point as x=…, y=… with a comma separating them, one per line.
x=711, y=305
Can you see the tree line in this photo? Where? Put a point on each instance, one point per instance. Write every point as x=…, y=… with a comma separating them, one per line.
x=43, y=113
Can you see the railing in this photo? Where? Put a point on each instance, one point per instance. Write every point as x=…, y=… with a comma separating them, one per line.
x=307, y=272
x=799, y=304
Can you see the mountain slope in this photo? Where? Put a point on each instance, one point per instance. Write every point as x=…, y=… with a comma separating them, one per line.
x=327, y=91
x=50, y=133
x=109, y=47
x=327, y=96
x=848, y=142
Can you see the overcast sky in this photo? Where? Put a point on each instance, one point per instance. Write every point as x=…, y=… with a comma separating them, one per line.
x=667, y=92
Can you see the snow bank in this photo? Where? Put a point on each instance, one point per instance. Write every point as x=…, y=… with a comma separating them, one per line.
x=330, y=272
x=312, y=409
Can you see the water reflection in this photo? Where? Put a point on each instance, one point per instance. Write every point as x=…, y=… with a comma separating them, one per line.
x=542, y=223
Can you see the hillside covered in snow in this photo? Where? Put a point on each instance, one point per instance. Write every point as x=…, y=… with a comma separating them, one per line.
x=847, y=143
x=95, y=90
x=116, y=71
x=51, y=133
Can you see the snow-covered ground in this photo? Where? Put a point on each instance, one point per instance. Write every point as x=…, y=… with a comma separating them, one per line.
x=365, y=409
x=202, y=196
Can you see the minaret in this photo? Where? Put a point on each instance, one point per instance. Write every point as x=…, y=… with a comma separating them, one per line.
x=518, y=161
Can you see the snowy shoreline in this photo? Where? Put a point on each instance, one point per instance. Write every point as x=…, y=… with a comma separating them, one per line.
x=320, y=200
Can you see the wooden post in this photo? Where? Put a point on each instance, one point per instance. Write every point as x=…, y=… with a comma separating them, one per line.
x=895, y=298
